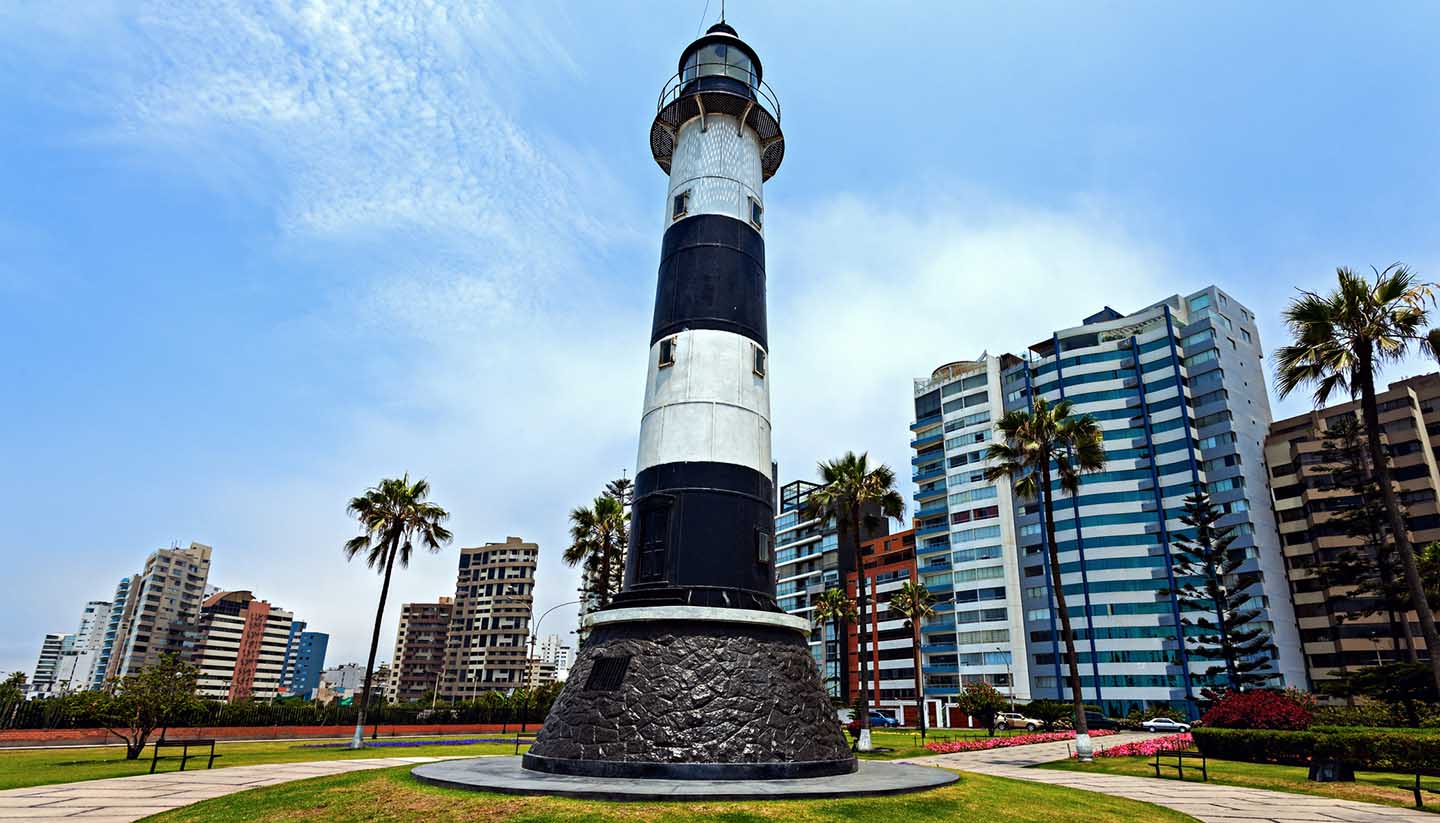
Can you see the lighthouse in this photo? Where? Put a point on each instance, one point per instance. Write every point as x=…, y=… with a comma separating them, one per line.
x=693, y=671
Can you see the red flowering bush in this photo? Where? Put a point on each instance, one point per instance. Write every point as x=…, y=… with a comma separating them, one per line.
x=1169, y=743
x=985, y=743
x=1288, y=711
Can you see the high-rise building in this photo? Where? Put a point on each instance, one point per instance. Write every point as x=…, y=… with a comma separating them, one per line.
x=161, y=609
x=78, y=658
x=554, y=651
x=240, y=647
x=309, y=663
x=1178, y=389
x=485, y=648
x=889, y=650
x=113, y=621
x=809, y=559
x=1342, y=628
x=419, y=650
x=292, y=651
x=43, y=681
x=965, y=534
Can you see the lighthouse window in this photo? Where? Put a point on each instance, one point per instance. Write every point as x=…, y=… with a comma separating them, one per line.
x=757, y=213
x=759, y=359
x=681, y=206
x=667, y=352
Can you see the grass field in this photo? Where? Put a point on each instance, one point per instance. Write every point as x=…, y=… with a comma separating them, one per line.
x=393, y=796
x=38, y=767
x=1371, y=787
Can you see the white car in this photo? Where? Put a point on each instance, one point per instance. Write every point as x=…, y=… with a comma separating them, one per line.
x=1164, y=724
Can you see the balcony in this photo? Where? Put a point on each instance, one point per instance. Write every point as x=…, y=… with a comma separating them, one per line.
x=941, y=528
x=938, y=648
x=925, y=421
x=931, y=511
x=930, y=492
x=927, y=439
x=928, y=475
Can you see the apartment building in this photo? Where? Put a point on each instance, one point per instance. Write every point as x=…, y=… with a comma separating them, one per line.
x=419, y=650
x=80, y=655
x=309, y=662
x=161, y=609
x=554, y=652
x=113, y=620
x=240, y=647
x=42, y=681
x=1178, y=389
x=809, y=559
x=1342, y=627
x=485, y=648
x=889, y=652
x=965, y=531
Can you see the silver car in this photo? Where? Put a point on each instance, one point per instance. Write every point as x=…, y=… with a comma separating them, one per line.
x=1164, y=724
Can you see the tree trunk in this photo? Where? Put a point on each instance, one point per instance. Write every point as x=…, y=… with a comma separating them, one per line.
x=860, y=601
x=919, y=682
x=1397, y=515
x=604, y=573
x=1071, y=658
x=358, y=741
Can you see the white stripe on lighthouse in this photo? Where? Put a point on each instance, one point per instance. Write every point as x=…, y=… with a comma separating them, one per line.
x=710, y=406
x=719, y=165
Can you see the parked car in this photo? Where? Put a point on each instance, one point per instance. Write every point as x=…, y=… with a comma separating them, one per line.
x=1164, y=724
x=1097, y=721
x=878, y=720
x=1015, y=720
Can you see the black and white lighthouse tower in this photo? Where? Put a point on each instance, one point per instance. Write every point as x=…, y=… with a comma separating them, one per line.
x=693, y=671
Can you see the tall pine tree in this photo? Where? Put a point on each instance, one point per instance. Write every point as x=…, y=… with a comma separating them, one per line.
x=1228, y=633
x=1369, y=573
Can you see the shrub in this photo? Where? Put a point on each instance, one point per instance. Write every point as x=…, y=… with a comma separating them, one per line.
x=1261, y=710
x=985, y=743
x=1396, y=751
x=1372, y=714
x=1146, y=748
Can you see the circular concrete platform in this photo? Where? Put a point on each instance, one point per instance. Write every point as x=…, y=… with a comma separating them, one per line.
x=505, y=775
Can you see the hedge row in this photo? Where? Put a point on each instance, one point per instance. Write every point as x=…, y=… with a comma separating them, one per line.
x=1361, y=748
x=62, y=713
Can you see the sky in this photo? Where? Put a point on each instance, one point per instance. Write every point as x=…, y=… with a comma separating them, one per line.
x=255, y=256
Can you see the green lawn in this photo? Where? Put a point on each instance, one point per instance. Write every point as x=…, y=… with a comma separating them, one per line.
x=905, y=743
x=393, y=796
x=38, y=767
x=1371, y=787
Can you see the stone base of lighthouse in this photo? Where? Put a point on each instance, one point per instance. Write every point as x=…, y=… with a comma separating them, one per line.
x=682, y=692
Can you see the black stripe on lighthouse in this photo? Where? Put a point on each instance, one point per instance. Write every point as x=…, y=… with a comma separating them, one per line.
x=712, y=276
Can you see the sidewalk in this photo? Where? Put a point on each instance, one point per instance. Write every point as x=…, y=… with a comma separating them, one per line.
x=126, y=799
x=1207, y=802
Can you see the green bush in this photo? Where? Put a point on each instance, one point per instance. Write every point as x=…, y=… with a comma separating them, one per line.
x=1394, y=751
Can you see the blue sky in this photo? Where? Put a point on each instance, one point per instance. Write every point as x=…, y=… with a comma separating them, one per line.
x=255, y=256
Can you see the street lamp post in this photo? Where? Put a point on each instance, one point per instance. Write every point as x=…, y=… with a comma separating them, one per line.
x=530, y=656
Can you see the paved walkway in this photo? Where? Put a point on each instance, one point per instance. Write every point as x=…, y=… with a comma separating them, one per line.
x=1207, y=802
x=126, y=799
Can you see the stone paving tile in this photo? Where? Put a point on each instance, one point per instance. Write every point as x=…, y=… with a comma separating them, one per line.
x=127, y=799
x=1208, y=802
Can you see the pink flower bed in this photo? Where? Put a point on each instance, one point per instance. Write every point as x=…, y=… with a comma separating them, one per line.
x=985, y=743
x=1169, y=743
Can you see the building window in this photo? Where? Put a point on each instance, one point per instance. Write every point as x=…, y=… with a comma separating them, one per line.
x=757, y=213
x=758, y=360
x=762, y=547
x=667, y=352
x=681, y=206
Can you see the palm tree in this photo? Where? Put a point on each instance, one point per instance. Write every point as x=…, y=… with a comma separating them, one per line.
x=856, y=495
x=1038, y=445
x=393, y=516
x=1340, y=341
x=597, y=537
x=913, y=602
x=835, y=606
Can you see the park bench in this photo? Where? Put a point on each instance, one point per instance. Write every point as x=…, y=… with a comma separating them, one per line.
x=184, y=746
x=1179, y=764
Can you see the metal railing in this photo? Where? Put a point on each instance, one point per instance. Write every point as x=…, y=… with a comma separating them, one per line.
x=758, y=89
